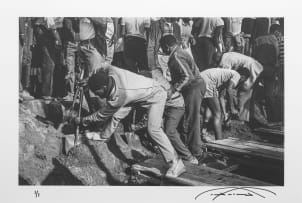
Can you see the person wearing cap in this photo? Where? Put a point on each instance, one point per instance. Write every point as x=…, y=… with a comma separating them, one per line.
x=122, y=90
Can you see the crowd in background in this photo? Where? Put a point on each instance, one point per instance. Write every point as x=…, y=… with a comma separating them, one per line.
x=51, y=50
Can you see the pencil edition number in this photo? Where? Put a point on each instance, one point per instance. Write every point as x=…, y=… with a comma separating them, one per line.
x=37, y=194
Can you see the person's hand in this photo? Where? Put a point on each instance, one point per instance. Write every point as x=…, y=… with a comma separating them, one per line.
x=234, y=112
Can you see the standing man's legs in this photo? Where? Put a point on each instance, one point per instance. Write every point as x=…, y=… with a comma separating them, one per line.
x=193, y=98
x=48, y=66
x=204, y=53
x=173, y=116
x=71, y=49
x=155, y=130
x=244, y=104
x=214, y=106
x=129, y=54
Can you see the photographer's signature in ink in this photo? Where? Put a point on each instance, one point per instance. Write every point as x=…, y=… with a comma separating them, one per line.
x=236, y=191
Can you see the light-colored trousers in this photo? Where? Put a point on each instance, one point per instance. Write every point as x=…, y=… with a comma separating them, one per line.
x=155, y=105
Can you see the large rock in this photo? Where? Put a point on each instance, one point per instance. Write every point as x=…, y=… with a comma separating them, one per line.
x=39, y=143
x=41, y=161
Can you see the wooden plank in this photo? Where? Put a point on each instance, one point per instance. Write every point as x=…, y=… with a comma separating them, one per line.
x=205, y=175
x=248, y=148
x=269, y=131
x=251, y=145
x=157, y=174
x=255, y=142
x=231, y=168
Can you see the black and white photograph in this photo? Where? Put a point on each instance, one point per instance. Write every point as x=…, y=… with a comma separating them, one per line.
x=146, y=102
x=186, y=101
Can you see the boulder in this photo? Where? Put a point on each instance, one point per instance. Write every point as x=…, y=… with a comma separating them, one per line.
x=42, y=162
x=39, y=143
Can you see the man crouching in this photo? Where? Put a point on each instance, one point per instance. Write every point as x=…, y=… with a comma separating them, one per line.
x=122, y=90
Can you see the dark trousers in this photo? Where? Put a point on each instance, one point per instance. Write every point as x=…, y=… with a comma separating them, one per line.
x=135, y=53
x=193, y=95
x=173, y=115
x=268, y=76
x=203, y=53
x=47, y=68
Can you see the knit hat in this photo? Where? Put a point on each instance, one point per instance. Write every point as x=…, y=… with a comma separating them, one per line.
x=98, y=80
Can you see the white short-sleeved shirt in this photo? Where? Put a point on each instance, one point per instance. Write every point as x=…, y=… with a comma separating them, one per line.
x=54, y=22
x=86, y=29
x=233, y=26
x=234, y=60
x=208, y=26
x=216, y=79
x=136, y=26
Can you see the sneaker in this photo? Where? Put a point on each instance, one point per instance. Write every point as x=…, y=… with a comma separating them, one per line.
x=176, y=169
x=193, y=160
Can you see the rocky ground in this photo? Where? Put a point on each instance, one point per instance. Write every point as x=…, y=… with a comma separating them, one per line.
x=43, y=159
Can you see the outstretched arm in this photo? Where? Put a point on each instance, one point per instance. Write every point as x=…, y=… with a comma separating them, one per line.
x=231, y=97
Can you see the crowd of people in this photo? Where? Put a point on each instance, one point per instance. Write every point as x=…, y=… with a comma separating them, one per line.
x=192, y=73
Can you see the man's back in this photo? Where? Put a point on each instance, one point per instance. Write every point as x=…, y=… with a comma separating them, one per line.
x=216, y=78
x=130, y=87
x=233, y=60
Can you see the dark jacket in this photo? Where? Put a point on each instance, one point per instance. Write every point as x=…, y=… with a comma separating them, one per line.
x=182, y=68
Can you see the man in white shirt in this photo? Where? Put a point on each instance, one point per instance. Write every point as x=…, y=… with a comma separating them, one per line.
x=234, y=60
x=216, y=80
x=121, y=95
x=233, y=39
x=135, y=32
x=207, y=33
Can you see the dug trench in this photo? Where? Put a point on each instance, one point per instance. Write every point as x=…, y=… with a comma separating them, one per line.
x=44, y=161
